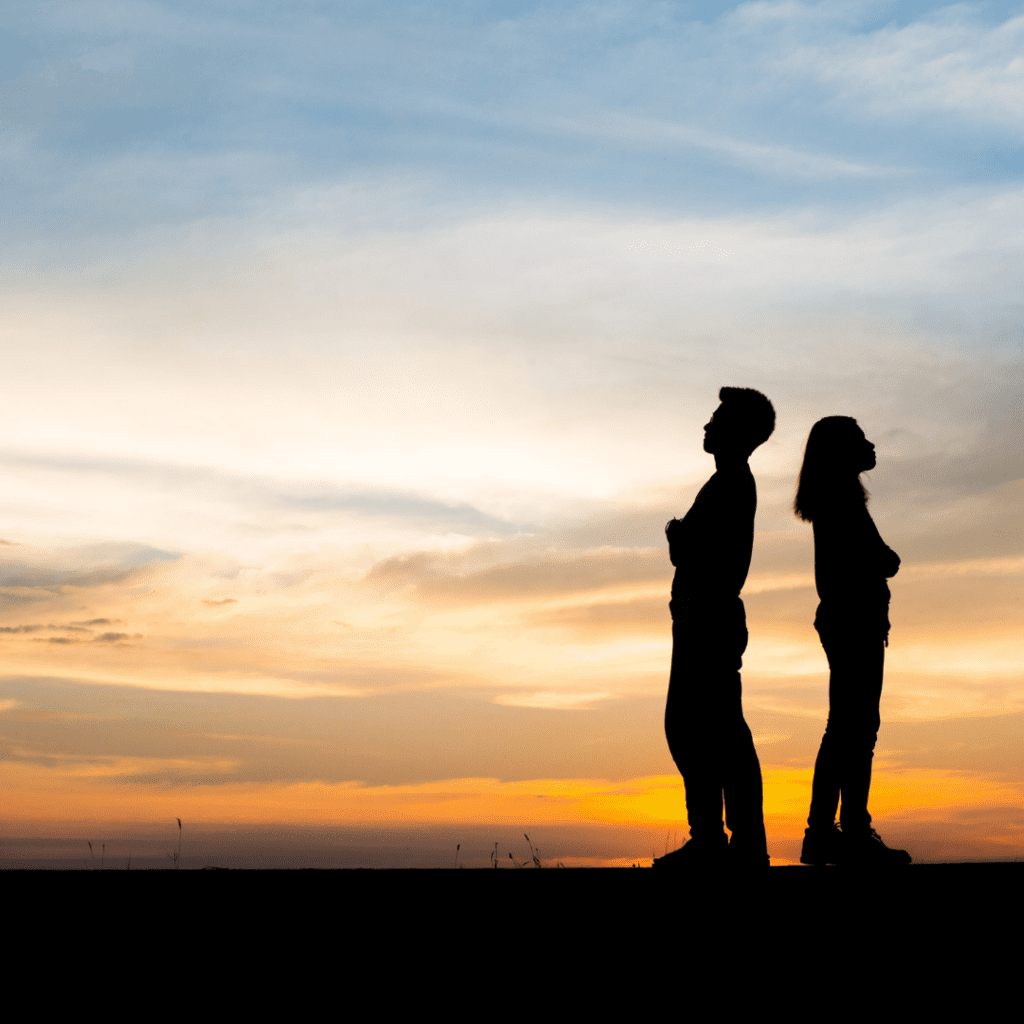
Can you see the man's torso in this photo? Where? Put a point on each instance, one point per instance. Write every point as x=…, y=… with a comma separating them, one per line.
x=711, y=547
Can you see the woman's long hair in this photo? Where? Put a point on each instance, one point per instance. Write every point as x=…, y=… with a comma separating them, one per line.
x=825, y=477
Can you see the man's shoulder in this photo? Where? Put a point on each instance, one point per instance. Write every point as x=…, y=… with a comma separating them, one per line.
x=731, y=486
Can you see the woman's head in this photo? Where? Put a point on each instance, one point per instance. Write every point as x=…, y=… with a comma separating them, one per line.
x=837, y=453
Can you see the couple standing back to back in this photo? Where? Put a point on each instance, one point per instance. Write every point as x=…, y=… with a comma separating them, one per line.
x=707, y=734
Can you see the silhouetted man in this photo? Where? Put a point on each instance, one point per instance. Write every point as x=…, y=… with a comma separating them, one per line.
x=709, y=740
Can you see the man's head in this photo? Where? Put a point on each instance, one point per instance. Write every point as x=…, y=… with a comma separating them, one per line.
x=744, y=420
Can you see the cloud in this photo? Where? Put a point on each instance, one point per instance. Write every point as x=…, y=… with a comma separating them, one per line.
x=632, y=131
x=48, y=579
x=534, y=572
x=600, y=620
x=115, y=638
x=178, y=503
x=949, y=63
x=561, y=701
x=39, y=572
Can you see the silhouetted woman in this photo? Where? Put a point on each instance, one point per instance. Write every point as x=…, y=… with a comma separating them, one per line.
x=851, y=565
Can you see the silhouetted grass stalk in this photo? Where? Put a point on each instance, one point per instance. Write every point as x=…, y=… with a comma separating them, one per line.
x=175, y=857
x=535, y=854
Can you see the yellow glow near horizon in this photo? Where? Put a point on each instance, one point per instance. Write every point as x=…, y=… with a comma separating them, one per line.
x=82, y=791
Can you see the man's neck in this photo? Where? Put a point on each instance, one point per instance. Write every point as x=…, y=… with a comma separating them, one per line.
x=730, y=461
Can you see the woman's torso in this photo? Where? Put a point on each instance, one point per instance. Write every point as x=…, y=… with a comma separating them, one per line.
x=851, y=565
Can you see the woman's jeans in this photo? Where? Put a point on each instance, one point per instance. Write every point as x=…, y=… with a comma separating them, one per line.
x=843, y=768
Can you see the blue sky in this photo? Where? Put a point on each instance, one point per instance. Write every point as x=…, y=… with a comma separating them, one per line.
x=671, y=108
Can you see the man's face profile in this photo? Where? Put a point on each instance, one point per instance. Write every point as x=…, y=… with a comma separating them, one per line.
x=715, y=430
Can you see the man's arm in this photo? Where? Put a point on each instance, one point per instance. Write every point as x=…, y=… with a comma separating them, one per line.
x=712, y=544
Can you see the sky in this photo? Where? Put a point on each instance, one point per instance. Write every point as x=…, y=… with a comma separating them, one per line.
x=356, y=355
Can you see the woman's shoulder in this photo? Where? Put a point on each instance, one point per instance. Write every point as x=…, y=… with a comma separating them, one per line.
x=847, y=525
x=840, y=514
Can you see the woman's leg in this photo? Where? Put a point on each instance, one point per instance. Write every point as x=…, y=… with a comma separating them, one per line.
x=825, y=787
x=843, y=766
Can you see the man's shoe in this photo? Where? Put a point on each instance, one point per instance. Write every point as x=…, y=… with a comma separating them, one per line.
x=866, y=849
x=747, y=858
x=823, y=845
x=697, y=854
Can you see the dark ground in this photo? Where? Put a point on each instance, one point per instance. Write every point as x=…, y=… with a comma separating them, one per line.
x=992, y=888
x=796, y=940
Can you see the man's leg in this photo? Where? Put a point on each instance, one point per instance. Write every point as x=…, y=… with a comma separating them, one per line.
x=825, y=784
x=740, y=768
x=744, y=794
x=693, y=730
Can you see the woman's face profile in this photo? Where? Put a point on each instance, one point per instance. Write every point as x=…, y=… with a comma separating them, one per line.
x=860, y=452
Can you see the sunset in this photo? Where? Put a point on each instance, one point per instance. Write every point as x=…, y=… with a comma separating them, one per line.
x=358, y=354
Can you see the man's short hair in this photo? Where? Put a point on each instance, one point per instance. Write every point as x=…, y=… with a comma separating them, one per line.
x=755, y=415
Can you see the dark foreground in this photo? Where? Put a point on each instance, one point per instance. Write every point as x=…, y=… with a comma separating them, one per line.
x=788, y=878
x=900, y=898
x=899, y=939
x=994, y=887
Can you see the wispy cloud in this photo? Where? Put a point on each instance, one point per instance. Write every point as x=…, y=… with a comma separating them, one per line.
x=636, y=131
x=950, y=62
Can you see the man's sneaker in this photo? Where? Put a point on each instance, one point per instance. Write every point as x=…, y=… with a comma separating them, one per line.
x=866, y=849
x=697, y=854
x=823, y=845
